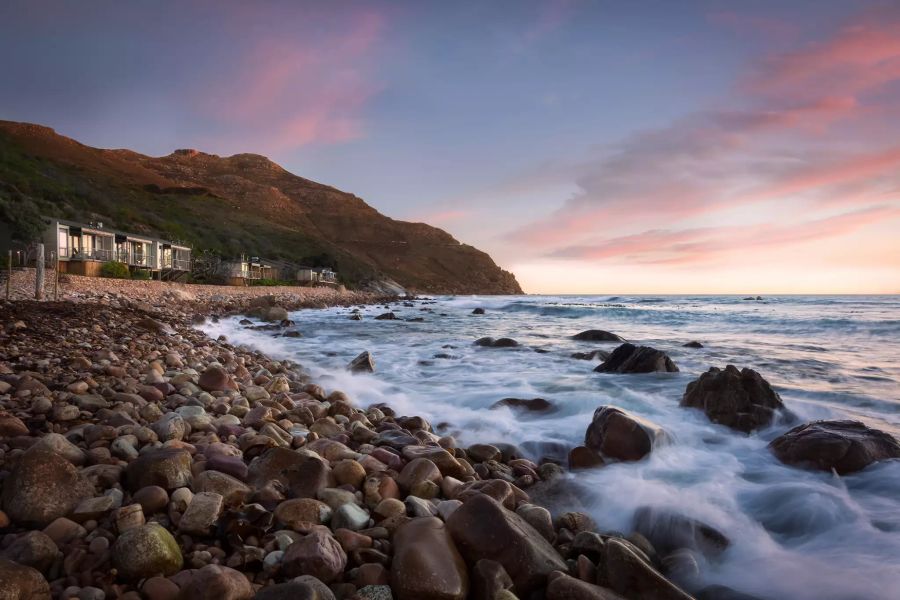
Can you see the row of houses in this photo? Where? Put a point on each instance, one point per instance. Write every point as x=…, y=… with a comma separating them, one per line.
x=82, y=249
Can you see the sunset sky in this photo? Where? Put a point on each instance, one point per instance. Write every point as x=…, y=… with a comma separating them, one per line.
x=610, y=147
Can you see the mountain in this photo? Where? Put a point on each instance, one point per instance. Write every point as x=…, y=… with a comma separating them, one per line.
x=241, y=204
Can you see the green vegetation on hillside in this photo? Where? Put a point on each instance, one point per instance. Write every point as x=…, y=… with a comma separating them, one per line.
x=31, y=186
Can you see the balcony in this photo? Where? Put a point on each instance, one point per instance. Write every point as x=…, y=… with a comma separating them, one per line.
x=97, y=254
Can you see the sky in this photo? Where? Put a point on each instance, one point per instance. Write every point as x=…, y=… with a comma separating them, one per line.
x=588, y=146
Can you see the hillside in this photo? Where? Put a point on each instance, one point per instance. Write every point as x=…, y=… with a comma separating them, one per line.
x=233, y=205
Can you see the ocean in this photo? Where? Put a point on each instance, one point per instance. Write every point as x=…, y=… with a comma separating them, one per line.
x=795, y=533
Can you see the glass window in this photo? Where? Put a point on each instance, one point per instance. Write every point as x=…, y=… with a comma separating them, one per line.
x=63, y=242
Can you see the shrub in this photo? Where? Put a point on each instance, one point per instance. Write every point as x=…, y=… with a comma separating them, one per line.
x=142, y=274
x=114, y=270
x=270, y=282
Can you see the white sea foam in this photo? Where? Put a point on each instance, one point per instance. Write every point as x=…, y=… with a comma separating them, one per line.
x=796, y=534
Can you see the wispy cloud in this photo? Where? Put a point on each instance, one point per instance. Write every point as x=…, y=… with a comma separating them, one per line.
x=804, y=128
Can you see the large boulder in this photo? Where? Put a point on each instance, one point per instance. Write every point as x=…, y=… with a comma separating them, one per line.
x=426, y=564
x=33, y=549
x=42, y=487
x=845, y=446
x=146, y=551
x=18, y=582
x=629, y=358
x=615, y=433
x=742, y=400
x=531, y=405
x=483, y=529
x=597, y=335
x=166, y=467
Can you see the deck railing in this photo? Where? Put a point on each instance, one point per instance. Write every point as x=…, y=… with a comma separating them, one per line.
x=95, y=254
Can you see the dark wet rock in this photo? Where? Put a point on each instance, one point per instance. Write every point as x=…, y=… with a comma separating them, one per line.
x=845, y=446
x=488, y=578
x=489, y=342
x=317, y=554
x=629, y=358
x=273, y=313
x=668, y=531
x=168, y=468
x=388, y=316
x=564, y=587
x=18, y=582
x=32, y=549
x=626, y=571
x=582, y=457
x=215, y=582
x=742, y=400
x=618, y=434
x=216, y=379
x=593, y=355
x=692, y=344
x=146, y=551
x=43, y=486
x=483, y=529
x=597, y=335
x=426, y=564
x=478, y=311
x=721, y=592
x=532, y=405
x=364, y=363
x=291, y=590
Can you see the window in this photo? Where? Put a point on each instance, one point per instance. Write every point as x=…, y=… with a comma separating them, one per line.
x=63, y=236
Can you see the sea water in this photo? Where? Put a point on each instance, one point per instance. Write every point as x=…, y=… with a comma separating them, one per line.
x=795, y=533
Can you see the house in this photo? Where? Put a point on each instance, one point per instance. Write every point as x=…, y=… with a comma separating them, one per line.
x=316, y=275
x=246, y=270
x=83, y=248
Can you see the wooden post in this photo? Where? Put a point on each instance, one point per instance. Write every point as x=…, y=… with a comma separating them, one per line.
x=8, y=273
x=39, y=273
x=56, y=277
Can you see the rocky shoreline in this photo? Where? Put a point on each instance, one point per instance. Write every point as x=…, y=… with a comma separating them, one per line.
x=140, y=458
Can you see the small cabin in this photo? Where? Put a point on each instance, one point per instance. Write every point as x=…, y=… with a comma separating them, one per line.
x=83, y=248
x=246, y=270
x=316, y=276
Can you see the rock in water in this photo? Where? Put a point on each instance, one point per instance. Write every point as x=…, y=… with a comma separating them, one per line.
x=146, y=551
x=489, y=342
x=626, y=572
x=597, y=335
x=478, y=311
x=693, y=344
x=629, y=358
x=615, y=433
x=669, y=531
x=18, y=582
x=426, y=564
x=364, y=363
x=388, y=316
x=845, y=446
x=742, y=400
x=42, y=487
x=482, y=528
x=534, y=404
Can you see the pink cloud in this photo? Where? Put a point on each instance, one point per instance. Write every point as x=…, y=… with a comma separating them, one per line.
x=713, y=244
x=786, y=137
x=291, y=91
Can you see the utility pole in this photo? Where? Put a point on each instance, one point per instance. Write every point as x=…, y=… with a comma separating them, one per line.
x=39, y=273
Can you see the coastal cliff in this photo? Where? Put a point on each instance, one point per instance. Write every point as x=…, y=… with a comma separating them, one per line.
x=241, y=204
